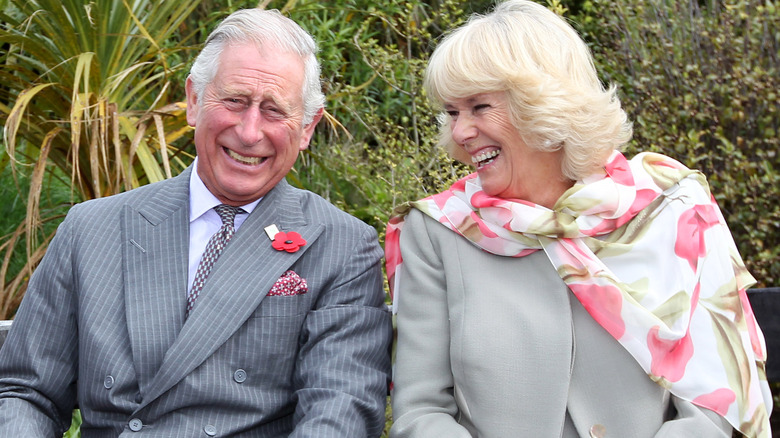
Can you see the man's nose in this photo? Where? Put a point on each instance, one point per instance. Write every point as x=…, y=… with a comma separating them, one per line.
x=250, y=127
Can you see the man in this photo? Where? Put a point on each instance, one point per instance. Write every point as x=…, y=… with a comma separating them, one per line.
x=288, y=334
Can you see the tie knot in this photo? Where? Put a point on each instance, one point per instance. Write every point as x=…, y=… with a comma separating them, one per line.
x=228, y=213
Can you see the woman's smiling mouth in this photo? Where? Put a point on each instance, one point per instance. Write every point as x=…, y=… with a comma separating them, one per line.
x=483, y=159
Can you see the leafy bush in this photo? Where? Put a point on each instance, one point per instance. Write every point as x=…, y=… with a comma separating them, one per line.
x=700, y=80
x=373, y=56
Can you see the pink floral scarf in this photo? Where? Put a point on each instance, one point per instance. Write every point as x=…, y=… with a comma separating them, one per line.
x=647, y=252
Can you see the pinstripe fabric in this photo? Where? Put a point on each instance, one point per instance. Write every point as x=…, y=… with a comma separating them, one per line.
x=103, y=323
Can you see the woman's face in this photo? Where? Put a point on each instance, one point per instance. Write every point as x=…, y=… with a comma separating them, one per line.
x=508, y=168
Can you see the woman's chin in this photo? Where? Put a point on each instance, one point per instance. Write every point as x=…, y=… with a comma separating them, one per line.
x=492, y=190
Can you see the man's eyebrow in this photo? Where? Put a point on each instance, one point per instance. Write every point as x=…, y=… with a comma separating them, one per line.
x=232, y=91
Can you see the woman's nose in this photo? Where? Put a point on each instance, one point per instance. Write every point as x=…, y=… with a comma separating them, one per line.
x=463, y=129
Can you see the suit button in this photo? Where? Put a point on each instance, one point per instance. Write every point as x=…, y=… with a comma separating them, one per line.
x=598, y=431
x=210, y=430
x=138, y=398
x=239, y=376
x=108, y=382
x=136, y=425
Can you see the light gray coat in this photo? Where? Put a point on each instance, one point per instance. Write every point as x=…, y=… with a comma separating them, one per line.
x=102, y=324
x=498, y=347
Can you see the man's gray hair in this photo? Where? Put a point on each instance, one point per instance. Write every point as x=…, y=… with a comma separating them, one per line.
x=262, y=28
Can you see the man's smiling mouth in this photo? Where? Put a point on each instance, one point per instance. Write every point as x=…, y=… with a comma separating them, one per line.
x=243, y=159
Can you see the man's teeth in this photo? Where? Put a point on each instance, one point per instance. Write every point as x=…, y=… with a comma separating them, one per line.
x=480, y=159
x=243, y=159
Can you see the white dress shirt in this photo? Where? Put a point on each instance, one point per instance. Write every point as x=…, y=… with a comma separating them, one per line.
x=204, y=220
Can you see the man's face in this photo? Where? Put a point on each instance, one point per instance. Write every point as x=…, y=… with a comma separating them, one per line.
x=248, y=123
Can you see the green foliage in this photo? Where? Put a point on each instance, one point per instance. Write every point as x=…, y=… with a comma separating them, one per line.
x=86, y=105
x=700, y=80
x=75, y=426
x=373, y=58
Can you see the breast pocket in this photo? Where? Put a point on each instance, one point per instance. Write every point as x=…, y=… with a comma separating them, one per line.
x=282, y=306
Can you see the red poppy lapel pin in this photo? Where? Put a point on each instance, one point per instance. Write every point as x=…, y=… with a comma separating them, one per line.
x=289, y=241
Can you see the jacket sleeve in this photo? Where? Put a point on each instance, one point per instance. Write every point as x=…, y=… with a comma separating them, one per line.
x=423, y=385
x=343, y=368
x=39, y=360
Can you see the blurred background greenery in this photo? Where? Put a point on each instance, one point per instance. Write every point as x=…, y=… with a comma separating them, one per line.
x=91, y=96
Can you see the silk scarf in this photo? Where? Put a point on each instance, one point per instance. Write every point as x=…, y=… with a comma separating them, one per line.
x=646, y=250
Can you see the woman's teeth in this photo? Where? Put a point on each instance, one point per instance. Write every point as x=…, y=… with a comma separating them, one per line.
x=243, y=159
x=485, y=157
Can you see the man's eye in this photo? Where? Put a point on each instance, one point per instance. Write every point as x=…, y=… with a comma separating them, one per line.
x=234, y=102
x=273, y=111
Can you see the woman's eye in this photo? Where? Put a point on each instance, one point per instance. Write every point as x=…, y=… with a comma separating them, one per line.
x=452, y=113
x=481, y=107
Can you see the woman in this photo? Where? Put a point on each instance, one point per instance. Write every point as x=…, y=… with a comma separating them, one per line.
x=561, y=289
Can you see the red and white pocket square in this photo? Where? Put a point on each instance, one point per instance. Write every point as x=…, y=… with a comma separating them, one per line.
x=289, y=284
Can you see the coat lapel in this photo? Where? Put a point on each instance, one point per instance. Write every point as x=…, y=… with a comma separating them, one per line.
x=237, y=284
x=156, y=242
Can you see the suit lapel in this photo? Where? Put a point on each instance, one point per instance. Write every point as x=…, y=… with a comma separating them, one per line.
x=237, y=284
x=156, y=241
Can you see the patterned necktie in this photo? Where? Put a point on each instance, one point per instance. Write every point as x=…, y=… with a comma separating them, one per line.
x=214, y=248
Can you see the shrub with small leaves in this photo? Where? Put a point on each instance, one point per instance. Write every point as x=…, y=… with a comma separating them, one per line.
x=700, y=81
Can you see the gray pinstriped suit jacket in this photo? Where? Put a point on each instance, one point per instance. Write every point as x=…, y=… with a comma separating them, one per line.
x=102, y=323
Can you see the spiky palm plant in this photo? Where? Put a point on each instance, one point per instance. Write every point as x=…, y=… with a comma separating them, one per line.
x=85, y=92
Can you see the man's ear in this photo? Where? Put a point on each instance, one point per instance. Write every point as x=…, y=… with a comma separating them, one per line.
x=308, y=130
x=192, y=102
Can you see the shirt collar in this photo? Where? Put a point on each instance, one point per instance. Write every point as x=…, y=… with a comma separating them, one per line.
x=202, y=200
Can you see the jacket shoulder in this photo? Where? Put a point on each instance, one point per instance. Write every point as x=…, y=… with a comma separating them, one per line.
x=159, y=194
x=318, y=209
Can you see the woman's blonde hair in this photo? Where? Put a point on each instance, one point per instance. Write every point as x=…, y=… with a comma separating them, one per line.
x=555, y=97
